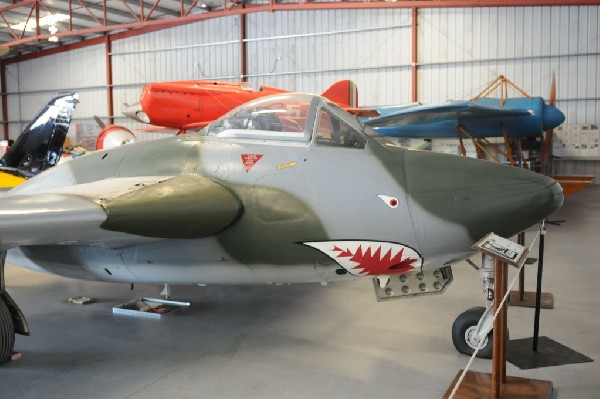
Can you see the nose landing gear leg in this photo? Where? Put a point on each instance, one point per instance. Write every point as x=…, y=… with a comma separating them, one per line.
x=474, y=325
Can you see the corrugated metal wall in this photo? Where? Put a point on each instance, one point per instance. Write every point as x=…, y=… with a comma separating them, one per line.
x=308, y=51
x=460, y=51
x=31, y=84
x=207, y=50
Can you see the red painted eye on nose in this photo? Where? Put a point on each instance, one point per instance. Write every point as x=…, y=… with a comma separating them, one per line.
x=392, y=202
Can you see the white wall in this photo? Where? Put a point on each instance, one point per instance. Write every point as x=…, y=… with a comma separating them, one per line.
x=313, y=49
x=31, y=84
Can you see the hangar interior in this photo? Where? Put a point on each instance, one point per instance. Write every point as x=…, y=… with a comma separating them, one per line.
x=303, y=341
x=458, y=52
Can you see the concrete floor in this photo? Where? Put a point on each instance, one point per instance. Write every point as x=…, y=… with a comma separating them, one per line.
x=302, y=341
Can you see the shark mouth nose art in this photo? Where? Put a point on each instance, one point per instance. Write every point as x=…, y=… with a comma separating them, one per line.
x=370, y=258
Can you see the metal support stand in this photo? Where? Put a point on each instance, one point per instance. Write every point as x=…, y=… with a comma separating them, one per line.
x=166, y=292
x=538, y=293
x=525, y=353
x=528, y=299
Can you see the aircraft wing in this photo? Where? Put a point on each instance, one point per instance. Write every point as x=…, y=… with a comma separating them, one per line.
x=119, y=211
x=459, y=112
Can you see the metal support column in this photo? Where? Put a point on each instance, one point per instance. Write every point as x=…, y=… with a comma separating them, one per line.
x=109, y=81
x=415, y=54
x=243, y=55
x=538, y=291
x=4, y=99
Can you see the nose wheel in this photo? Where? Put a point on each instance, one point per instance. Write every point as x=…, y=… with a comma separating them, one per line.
x=475, y=325
x=465, y=335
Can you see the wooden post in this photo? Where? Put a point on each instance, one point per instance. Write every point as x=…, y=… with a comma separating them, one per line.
x=499, y=336
x=503, y=320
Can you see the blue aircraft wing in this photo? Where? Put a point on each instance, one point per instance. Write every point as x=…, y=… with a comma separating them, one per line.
x=434, y=121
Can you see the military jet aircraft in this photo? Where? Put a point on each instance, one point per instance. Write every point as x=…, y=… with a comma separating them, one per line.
x=288, y=188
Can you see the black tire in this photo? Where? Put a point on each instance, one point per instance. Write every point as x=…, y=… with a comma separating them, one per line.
x=465, y=321
x=7, y=333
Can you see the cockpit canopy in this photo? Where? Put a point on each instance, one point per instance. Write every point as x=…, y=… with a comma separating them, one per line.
x=291, y=117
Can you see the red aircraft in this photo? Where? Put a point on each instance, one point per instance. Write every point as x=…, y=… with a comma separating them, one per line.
x=193, y=104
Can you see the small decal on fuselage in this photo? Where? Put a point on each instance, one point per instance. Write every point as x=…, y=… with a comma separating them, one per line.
x=392, y=202
x=287, y=165
x=249, y=160
x=370, y=258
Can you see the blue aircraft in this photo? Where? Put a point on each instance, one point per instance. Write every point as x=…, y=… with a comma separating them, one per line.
x=481, y=117
x=484, y=117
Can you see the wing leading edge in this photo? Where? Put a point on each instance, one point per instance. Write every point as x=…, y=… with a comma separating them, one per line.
x=458, y=112
x=119, y=211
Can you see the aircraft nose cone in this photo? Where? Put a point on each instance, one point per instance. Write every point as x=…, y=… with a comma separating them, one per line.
x=462, y=199
x=528, y=198
x=552, y=118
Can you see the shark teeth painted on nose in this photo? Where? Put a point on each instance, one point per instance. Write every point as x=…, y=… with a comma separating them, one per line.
x=370, y=258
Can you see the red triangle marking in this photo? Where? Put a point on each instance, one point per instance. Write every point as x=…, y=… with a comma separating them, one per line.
x=249, y=160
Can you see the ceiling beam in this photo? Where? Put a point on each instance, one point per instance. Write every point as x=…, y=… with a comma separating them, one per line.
x=141, y=27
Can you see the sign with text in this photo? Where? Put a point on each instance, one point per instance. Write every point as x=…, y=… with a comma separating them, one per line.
x=502, y=249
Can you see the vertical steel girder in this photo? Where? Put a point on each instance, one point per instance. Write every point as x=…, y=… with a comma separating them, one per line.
x=243, y=48
x=4, y=99
x=109, y=82
x=415, y=55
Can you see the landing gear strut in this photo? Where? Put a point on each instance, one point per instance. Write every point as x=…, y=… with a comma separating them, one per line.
x=12, y=320
x=475, y=325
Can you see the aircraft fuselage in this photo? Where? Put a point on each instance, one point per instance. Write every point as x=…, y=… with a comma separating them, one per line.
x=295, y=193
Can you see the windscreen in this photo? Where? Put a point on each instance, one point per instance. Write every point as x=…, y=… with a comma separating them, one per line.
x=278, y=117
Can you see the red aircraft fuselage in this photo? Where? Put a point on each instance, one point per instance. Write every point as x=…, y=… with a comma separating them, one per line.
x=195, y=103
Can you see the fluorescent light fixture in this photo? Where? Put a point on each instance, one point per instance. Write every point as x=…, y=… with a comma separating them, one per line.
x=48, y=20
